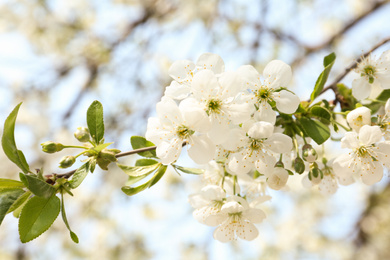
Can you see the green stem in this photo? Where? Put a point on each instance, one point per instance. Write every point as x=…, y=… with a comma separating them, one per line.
x=234, y=184
x=75, y=146
x=344, y=127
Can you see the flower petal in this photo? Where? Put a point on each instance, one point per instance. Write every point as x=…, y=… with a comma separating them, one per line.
x=177, y=90
x=169, y=152
x=372, y=173
x=286, y=102
x=247, y=231
x=279, y=143
x=369, y=135
x=360, y=88
x=254, y=215
x=182, y=70
x=212, y=62
x=277, y=73
x=202, y=149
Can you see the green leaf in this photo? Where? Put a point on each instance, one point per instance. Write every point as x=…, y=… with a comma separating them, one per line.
x=384, y=95
x=20, y=201
x=7, y=198
x=37, y=186
x=37, y=216
x=73, y=236
x=195, y=171
x=156, y=177
x=95, y=121
x=145, y=162
x=79, y=176
x=321, y=80
x=320, y=112
x=9, y=184
x=137, y=171
x=138, y=142
x=8, y=141
x=99, y=148
x=315, y=130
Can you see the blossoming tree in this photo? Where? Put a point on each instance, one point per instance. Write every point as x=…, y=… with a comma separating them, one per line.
x=243, y=128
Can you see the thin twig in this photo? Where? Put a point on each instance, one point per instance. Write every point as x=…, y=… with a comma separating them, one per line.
x=140, y=150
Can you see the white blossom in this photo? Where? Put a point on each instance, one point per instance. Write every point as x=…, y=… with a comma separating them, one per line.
x=175, y=125
x=374, y=75
x=367, y=157
x=237, y=218
x=277, y=75
x=359, y=117
x=207, y=204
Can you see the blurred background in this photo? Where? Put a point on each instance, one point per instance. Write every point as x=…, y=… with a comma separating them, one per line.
x=57, y=56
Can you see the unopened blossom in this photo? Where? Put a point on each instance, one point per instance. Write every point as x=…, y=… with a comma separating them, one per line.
x=183, y=72
x=237, y=218
x=276, y=75
x=367, y=157
x=278, y=178
x=177, y=124
x=217, y=96
x=259, y=142
x=374, y=76
x=359, y=117
x=207, y=204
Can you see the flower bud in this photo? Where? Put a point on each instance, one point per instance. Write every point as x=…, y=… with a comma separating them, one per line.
x=82, y=134
x=51, y=147
x=309, y=154
x=67, y=161
x=299, y=165
x=105, y=157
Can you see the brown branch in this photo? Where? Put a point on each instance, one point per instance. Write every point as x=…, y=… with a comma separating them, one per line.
x=332, y=39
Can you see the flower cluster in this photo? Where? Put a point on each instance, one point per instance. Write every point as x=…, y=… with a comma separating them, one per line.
x=244, y=128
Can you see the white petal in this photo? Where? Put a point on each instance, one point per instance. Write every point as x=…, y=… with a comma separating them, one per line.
x=265, y=113
x=219, y=131
x=156, y=132
x=181, y=70
x=213, y=192
x=265, y=165
x=196, y=200
x=231, y=83
x=359, y=117
x=342, y=166
x=254, y=215
x=286, y=102
x=205, y=85
x=350, y=140
x=168, y=111
x=236, y=139
x=370, y=134
x=387, y=106
x=225, y=232
x=169, y=152
x=238, y=165
x=202, y=149
x=194, y=115
x=360, y=88
x=260, y=130
x=277, y=73
x=204, y=215
x=239, y=112
x=212, y=62
x=247, y=231
x=177, y=90
x=328, y=185
x=382, y=151
x=373, y=173
x=347, y=180
x=279, y=143
x=250, y=77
